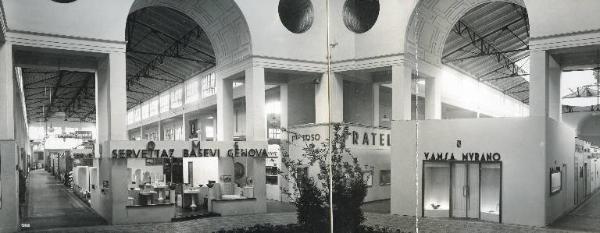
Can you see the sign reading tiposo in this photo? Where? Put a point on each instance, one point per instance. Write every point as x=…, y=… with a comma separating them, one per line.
x=195, y=151
x=467, y=156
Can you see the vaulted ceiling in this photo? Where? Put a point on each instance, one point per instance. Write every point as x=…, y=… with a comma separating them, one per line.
x=164, y=48
x=491, y=43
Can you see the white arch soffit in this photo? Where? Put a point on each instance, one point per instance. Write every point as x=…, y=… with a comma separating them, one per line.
x=222, y=21
x=431, y=29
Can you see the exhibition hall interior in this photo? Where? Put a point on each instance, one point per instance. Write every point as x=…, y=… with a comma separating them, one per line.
x=299, y=116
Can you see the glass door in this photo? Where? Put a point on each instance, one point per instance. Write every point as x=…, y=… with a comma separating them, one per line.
x=465, y=190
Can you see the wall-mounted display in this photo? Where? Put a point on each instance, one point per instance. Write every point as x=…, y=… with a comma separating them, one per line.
x=385, y=177
x=555, y=180
x=368, y=177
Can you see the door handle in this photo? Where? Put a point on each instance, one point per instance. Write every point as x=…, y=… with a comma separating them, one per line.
x=465, y=191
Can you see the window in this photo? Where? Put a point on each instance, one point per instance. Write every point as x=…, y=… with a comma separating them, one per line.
x=237, y=83
x=210, y=131
x=385, y=177
x=272, y=175
x=136, y=114
x=164, y=102
x=274, y=133
x=273, y=107
x=153, y=108
x=191, y=91
x=145, y=111
x=130, y=117
x=176, y=97
x=208, y=85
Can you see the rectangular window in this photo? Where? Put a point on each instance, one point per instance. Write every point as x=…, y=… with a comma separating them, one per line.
x=164, y=103
x=145, y=110
x=153, y=108
x=209, y=130
x=136, y=114
x=176, y=98
x=274, y=133
x=385, y=177
x=130, y=117
x=191, y=91
x=208, y=85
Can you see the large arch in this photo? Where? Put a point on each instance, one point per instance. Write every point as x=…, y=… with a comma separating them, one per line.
x=222, y=20
x=431, y=22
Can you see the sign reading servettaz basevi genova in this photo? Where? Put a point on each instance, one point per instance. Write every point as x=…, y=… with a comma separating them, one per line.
x=195, y=151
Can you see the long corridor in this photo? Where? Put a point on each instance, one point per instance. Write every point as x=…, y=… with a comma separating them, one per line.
x=585, y=218
x=52, y=205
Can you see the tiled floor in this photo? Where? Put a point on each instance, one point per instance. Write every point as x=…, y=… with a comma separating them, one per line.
x=52, y=205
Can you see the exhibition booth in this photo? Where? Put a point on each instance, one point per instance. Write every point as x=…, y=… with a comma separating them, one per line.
x=370, y=145
x=163, y=181
x=473, y=169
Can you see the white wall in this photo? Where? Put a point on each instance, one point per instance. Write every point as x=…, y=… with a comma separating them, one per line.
x=86, y=19
x=523, y=160
x=205, y=169
x=560, y=141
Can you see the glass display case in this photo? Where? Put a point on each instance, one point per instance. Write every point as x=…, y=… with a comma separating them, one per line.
x=436, y=189
x=491, y=174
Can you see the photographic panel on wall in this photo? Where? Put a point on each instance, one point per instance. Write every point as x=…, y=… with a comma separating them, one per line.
x=555, y=180
x=385, y=177
x=368, y=177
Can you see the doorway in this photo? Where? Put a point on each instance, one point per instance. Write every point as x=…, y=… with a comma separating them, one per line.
x=462, y=190
x=465, y=190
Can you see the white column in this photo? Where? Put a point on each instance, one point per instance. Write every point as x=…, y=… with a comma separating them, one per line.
x=256, y=117
x=283, y=100
x=224, y=117
x=9, y=219
x=142, y=132
x=111, y=98
x=538, y=84
x=554, y=106
x=401, y=92
x=184, y=125
x=160, y=133
x=433, y=99
x=7, y=121
x=376, y=87
x=329, y=99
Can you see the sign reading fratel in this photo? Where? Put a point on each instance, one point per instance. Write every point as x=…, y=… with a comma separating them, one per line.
x=178, y=149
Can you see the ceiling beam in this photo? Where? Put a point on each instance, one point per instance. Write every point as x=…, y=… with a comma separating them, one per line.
x=82, y=89
x=53, y=94
x=459, y=30
x=489, y=53
x=486, y=47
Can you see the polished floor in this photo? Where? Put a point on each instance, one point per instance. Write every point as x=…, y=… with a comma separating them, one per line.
x=584, y=218
x=51, y=205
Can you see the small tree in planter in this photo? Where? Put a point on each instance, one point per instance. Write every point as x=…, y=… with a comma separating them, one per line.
x=339, y=175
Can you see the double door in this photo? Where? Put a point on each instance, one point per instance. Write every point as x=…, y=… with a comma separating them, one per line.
x=465, y=190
